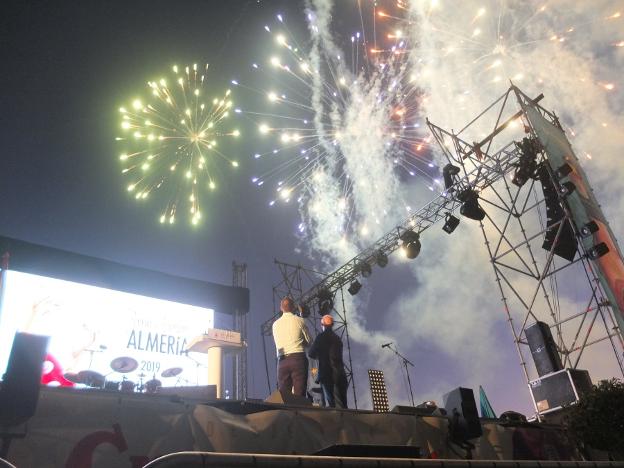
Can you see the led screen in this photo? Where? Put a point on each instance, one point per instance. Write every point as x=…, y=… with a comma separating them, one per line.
x=90, y=327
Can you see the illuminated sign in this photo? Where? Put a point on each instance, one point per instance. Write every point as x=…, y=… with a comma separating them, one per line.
x=90, y=327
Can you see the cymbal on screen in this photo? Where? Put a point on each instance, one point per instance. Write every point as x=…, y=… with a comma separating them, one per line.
x=171, y=372
x=124, y=364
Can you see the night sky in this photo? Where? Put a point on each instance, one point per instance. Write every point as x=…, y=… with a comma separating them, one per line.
x=68, y=66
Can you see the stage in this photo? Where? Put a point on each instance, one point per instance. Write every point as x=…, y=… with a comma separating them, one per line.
x=83, y=428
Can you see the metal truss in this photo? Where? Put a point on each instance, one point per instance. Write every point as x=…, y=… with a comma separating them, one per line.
x=239, y=278
x=295, y=280
x=534, y=283
x=485, y=170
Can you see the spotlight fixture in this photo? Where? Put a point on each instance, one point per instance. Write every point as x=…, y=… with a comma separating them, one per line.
x=326, y=301
x=471, y=208
x=381, y=258
x=598, y=251
x=527, y=162
x=450, y=223
x=589, y=228
x=364, y=268
x=566, y=188
x=354, y=287
x=411, y=244
x=448, y=172
x=563, y=170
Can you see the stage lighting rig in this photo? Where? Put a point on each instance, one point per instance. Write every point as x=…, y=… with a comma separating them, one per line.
x=527, y=162
x=411, y=244
x=381, y=258
x=354, y=287
x=450, y=223
x=325, y=301
x=566, y=188
x=598, y=251
x=589, y=228
x=471, y=208
x=448, y=173
x=365, y=269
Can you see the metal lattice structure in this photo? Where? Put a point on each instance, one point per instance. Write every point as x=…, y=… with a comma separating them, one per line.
x=541, y=266
x=526, y=225
x=239, y=278
x=295, y=280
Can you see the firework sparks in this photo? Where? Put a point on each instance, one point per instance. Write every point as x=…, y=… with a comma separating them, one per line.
x=337, y=114
x=171, y=141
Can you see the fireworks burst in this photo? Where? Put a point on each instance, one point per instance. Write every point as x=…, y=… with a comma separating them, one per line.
x=463, y=51
x=171, y=141
x=340, y=122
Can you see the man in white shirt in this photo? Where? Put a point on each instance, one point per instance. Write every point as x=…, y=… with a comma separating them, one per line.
x=291, y=338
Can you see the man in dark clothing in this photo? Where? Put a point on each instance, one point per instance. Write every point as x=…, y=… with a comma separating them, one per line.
x=327, y=348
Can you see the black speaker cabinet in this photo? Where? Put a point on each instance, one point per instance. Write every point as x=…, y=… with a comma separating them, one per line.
x=543, y=348
x=461, y=408
x=558, y=389
x=21, y=382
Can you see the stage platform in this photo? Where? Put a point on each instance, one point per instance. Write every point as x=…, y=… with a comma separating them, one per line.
x=96, y=428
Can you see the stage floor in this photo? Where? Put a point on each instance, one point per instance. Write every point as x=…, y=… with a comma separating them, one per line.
x=96, y=428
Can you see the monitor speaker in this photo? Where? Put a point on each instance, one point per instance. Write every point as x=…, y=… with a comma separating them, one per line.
x=543, y=348
x=21, y=382
x=461, y=407
x=559, y=389
x=287, y=398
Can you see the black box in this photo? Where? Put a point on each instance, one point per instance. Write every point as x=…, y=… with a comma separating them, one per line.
x=461, y=407
x=560, y=388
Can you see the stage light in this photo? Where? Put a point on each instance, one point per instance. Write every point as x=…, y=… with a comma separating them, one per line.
x=381, y=258
x=365, y=269
x=598, y=251
x=354, y=287
x=471, y=208
x=326, y=301
x=566, y=189
x=527, y=162
x=448, y=172
x=411, y=244
x=450, y=223
x=589, y=228
x=563, y=170
x=379, y=391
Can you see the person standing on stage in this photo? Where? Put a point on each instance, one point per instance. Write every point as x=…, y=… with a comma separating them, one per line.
x=327, y=348
x=291, y=338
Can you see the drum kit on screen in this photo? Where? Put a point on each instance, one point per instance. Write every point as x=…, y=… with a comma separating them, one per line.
x=122, y=365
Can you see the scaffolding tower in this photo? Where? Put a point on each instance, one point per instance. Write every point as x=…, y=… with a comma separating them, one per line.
x=239, y=377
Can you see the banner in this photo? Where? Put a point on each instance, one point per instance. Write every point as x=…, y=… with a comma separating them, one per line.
x=584, y=208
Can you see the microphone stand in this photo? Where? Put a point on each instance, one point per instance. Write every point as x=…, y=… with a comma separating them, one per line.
x=405, y=362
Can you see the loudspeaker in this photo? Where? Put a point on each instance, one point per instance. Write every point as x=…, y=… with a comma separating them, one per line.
x=567, y=244
x=558, y=389
x=543, y=348
x=461, y=407
x=21, y=382
x=287, y=398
